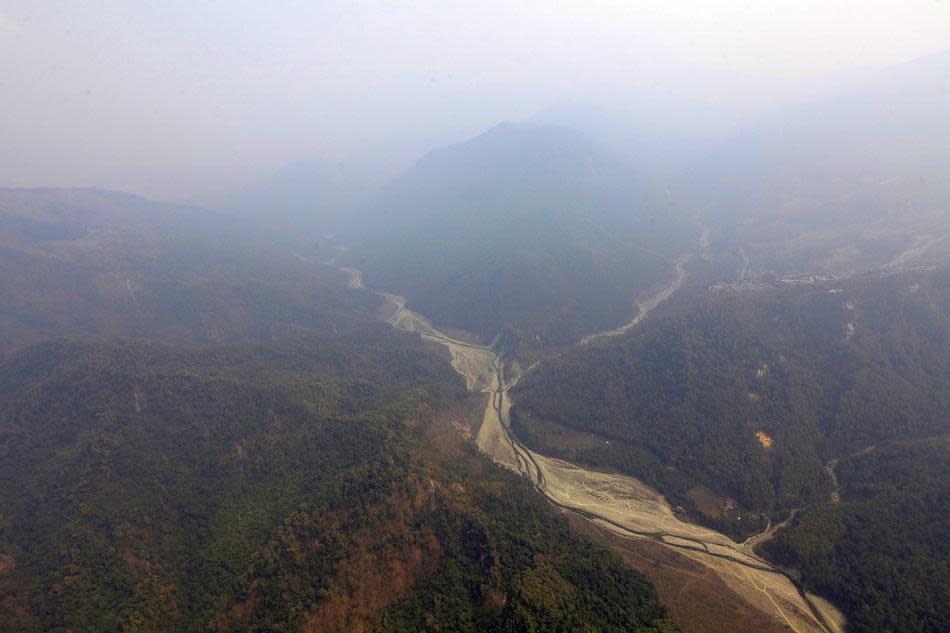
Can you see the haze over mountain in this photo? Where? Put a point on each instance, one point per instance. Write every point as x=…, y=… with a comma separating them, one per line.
x=202, y=429
x=842, y=184
x=169, y=102
x=314, y=195
x=503, y=317
x=657, y=134
x=107, y=264
x=533, y=228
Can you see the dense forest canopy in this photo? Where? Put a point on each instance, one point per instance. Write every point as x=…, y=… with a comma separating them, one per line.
x=274, y=487
x=883, y=550
x=229, y=440
x=209, y=423
x=739, y=407
x=822, y=370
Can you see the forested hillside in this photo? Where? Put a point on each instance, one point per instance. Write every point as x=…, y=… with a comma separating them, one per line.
x=506, y=317
x=90, y=262
x=306, y=486
x=230, y=442
x=737, y=408
x=883, y=551
x=531, y=228
x=821, y=370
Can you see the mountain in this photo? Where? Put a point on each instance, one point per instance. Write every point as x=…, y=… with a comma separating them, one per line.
x=201, y=429
x=312, y=195
x=533, y=229
x=747, y=405
x=882, y=550
x=300, y=486
x=840, y=185
x=657, y=133
x=101, y=263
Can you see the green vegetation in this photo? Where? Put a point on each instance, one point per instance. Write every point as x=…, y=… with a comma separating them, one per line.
x=695, y=389
x=305, y=485
x=755, y=395
x=306, y=475
x=883, y=552
x=534, y=229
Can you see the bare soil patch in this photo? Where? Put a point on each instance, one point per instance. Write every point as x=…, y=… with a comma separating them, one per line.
x=698, y=600
x=707, y=501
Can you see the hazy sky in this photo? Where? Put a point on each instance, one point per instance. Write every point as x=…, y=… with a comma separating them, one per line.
x=168, y=98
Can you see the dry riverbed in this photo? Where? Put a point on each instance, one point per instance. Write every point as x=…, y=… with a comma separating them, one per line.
x=621, y=505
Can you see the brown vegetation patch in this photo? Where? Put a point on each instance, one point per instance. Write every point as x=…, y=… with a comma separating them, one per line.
x=14, y=616
x=130, y=557
x=241, y=611
x=697, y=599
x=706, y=501
x=7, y=564
x=385, y=561
x=369, y=582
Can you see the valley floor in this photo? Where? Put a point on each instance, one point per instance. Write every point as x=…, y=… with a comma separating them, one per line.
x=621, y=505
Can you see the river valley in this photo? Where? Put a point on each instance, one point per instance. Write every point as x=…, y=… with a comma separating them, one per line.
x=619, y=504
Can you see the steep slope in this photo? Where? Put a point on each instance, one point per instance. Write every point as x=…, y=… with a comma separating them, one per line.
x=738, y=407
x=91, y=262
x=843, y=184
x=311, y=474
x=531, y=228
x=821, y=370
x=883, y=549
x=304, y=486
